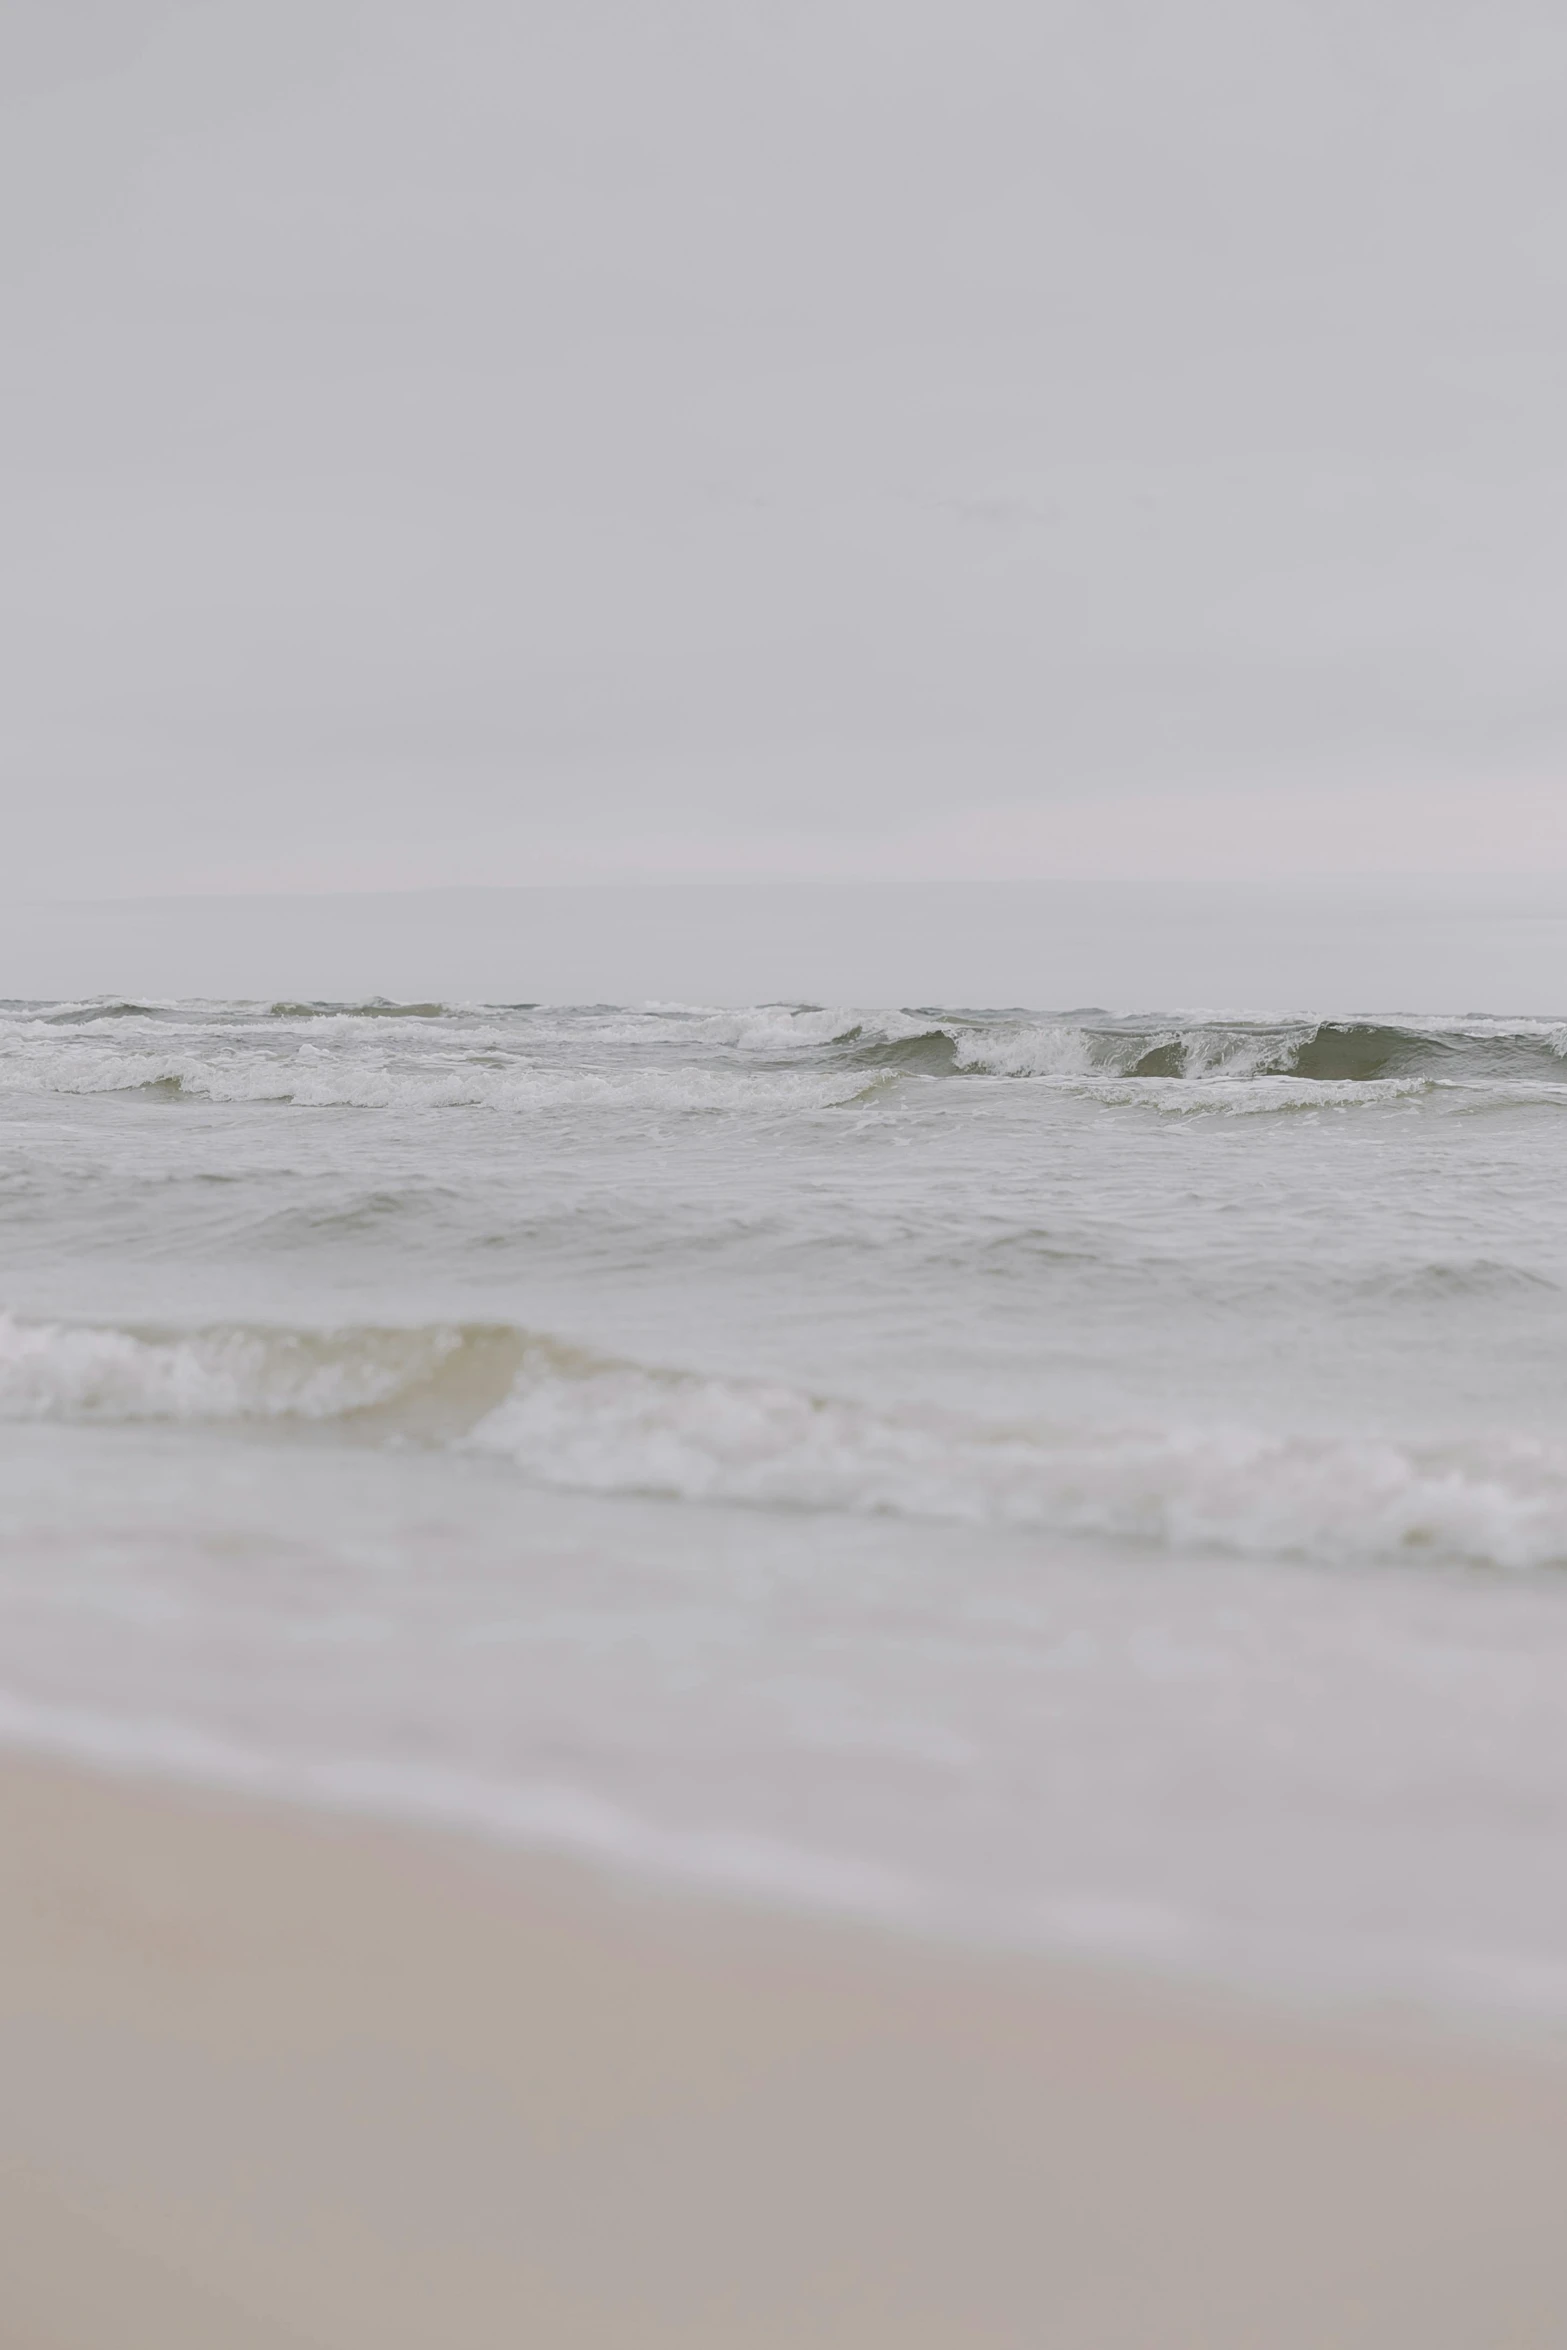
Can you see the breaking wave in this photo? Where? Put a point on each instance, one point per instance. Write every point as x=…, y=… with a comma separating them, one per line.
x=768, y=1058
x=1318, y=1053
x=567, y=1418
x=339, y=1083
x=434, y=1381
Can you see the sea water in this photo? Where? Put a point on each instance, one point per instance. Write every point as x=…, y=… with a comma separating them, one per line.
x=1075, y=1480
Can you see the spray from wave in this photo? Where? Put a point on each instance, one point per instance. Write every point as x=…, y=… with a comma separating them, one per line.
x=567, y=1418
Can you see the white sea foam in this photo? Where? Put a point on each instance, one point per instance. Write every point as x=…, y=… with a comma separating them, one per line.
x=56, y=1371
x=1257, y=1096
x=566, y=1419
x=621, y=1428
x=311, y=1079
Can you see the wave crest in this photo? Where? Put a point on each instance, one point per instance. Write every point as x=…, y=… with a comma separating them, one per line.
x=788, y=1059
x=568, y=1418
x=431, y=1380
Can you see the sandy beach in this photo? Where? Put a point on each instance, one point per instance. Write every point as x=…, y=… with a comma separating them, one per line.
x=278, y=2079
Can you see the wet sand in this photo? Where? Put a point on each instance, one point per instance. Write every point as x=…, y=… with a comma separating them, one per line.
x=272, y=2079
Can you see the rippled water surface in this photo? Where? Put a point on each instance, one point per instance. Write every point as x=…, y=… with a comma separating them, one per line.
x=1074, y=1478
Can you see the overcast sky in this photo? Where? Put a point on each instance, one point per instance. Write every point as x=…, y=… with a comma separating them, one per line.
x=571, y=439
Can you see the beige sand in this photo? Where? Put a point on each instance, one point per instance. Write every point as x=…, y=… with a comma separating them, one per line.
x=270, y=2080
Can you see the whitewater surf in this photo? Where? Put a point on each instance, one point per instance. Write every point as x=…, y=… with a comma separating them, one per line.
x=1087, y=1478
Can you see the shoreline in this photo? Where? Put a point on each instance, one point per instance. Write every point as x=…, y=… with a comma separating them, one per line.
x=1393, y=1991
x=280, y=2077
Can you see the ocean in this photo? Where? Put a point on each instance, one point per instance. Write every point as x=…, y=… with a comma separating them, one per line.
x=1074, y=1481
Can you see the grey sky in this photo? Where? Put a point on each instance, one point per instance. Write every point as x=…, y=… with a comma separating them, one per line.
x=478, y=443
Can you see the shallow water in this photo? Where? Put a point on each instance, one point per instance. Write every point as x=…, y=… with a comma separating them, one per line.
x=1069, y=1478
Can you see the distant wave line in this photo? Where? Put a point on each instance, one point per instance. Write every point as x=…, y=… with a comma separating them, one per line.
x=768, y=1058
